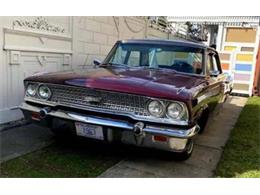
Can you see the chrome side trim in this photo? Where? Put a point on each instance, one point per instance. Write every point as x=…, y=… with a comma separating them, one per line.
x=175, y=132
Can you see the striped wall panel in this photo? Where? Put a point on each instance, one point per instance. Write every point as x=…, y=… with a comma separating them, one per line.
x=242, y=77
x=245, y=57
x=224, y=56
x=225, y=66
x=250, y=49
x=243, y=67
x=239, y=64
x=230, y=48
x=239, y=49
x=241, y=87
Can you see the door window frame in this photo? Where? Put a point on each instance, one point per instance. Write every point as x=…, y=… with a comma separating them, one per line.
x=215, y=57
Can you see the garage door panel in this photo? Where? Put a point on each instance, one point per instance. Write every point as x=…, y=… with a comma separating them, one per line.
x=31, y=53
x=241, y=44
x=31, y=49
x=32, y=63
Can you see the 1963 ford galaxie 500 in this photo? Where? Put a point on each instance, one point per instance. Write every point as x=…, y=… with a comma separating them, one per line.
x=150, y=93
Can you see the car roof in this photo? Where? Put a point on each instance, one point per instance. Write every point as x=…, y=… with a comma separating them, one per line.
x=184, y=43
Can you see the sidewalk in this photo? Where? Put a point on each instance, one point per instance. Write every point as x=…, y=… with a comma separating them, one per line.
x=22, y=140
x=207, y=151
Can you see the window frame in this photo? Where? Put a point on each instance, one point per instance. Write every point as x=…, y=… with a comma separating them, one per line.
x=203, y=53
x=215, y=56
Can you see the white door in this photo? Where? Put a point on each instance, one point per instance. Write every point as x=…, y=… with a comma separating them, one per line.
x=28, y=53
x=29, y=64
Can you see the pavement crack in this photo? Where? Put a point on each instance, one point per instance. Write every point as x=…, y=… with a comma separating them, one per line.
x=209, y=147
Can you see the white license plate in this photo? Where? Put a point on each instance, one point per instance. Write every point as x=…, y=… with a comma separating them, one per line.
x=90, y=131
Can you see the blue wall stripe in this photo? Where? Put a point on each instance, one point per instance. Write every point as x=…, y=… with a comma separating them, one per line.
x=243, y=67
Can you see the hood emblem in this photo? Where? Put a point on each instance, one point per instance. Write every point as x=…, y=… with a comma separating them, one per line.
x=93, y=99
x=180, y=90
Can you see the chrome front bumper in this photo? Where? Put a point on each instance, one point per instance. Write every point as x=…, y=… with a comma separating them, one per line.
x=148, y=130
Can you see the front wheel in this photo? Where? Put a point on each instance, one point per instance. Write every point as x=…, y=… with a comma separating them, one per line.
x=187, y=153
x=203, y=120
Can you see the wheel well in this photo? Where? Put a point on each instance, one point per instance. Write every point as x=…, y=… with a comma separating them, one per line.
x=203, y=118
x=205, y=110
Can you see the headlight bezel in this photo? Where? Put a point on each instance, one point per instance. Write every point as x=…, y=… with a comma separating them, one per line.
x=161, y=103
x=183, y=117
x=181, y=114
x=48, y=89
x=35, y=89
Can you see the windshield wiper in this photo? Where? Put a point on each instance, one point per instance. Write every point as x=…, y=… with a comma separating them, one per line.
x=112, y=64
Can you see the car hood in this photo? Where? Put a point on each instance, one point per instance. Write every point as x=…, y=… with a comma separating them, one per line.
x=159, y=83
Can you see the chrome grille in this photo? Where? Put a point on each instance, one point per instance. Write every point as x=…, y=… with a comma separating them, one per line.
x=110, y=101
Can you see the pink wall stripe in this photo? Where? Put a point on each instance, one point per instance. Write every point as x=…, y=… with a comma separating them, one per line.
x=242, y=77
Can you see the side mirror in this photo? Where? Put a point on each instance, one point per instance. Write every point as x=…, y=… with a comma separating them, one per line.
x=214, y=73
x=228, y=83
x=96, y=62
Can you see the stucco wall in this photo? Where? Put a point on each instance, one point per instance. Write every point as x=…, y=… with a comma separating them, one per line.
x=93, y=37
x=77, y=42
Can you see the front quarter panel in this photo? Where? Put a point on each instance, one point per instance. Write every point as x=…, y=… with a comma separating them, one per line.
x=206, y=96
x=198, y=101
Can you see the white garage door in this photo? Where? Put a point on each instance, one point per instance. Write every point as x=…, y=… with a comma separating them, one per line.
x=27, y=53
x=31, y=63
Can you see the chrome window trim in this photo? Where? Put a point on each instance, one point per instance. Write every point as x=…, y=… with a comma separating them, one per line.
x=165, y=120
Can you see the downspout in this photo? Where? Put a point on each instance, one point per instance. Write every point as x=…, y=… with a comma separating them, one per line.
x=146, y=28
x=256, y=88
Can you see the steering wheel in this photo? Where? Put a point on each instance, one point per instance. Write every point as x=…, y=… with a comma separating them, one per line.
x=182, y=66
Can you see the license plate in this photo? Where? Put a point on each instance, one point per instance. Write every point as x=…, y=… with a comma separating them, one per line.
x=90, y=131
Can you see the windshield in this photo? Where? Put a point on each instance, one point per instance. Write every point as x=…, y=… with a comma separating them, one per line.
x=179, y=58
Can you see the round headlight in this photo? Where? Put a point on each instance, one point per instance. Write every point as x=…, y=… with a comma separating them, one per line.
x=44, y=92
x=31, y=90
x=155, y=108
x=175, y=111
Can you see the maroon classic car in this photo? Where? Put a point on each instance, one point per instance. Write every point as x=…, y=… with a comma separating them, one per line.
x=150, y=93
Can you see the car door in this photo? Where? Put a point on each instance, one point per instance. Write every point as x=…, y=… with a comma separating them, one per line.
x=215, y=78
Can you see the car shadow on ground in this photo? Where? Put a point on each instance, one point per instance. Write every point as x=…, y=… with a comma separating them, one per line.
x=87, y=146
x=212, y=130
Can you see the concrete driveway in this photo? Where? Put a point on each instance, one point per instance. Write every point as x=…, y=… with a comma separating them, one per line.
x=25, y=139
x=21, y=140
x=207, y=150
